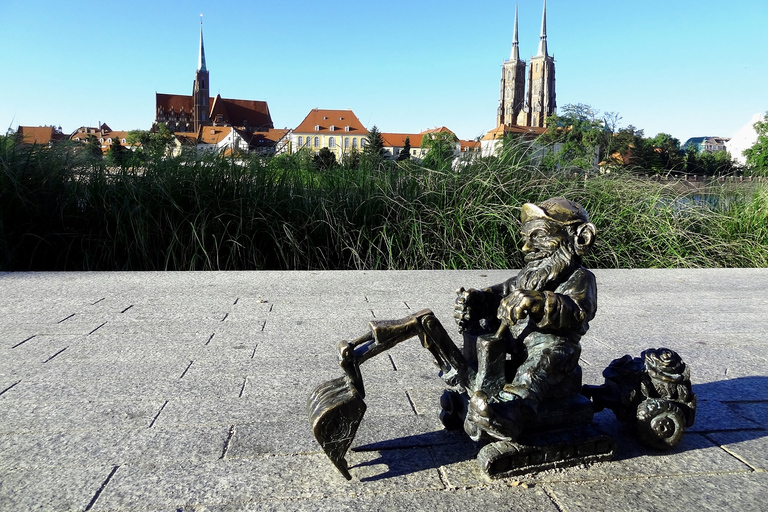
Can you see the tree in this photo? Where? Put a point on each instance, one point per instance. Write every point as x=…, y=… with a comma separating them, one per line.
x=579, y=135
x=352, y=159
x=716, y=163
x=668, y=149
x=373, y=150
x=441, y=147
x=324, y=160
x=117, y=153
x=374, y=144
x=757, y=155
x=405, y=153
x=93, y=147
x=153, y=144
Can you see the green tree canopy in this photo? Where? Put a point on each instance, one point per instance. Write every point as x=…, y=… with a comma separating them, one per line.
x=154, y=143
x=580, y=136
x=757, y=155
x=324, y=160
x=374, y=144
x=405, y=153
x=117, y=154
x=442, y=149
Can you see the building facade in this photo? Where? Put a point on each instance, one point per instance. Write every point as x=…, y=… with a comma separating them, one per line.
x=338, y=130
x=527, y=102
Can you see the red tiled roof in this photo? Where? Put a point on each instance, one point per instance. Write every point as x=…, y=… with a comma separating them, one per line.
x=214, y=134
x=268, y=137
x=470, y=145
x=321, y=120
x=438, y=130
x=397, y=140
x=38, y=134
x=252, y=113
x=175, y=102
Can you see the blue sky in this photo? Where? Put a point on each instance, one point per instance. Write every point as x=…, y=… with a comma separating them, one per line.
x=688, y=68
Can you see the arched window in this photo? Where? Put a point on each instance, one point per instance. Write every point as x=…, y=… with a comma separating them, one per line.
x=317, y=142
x=362, y=143
x=301, y=140
x=354, y=143
x=346, y=142
x=331, y=142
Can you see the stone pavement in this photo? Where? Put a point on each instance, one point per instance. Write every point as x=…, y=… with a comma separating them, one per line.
x=187, y=391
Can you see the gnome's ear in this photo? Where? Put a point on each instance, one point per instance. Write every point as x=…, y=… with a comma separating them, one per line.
x=584, y=238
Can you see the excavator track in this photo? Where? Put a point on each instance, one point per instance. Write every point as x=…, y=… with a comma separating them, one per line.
x=557, y=450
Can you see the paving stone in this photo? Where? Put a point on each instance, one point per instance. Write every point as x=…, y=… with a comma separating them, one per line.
x=754, y=411
x=713, y=415
x=52, y=488
x=491, y=498
x=61, y=416
x=115, y=446
x=243, y=480
x=749, y=446
x=700, y=492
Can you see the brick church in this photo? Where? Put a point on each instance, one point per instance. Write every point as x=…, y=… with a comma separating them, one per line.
x=188, y=114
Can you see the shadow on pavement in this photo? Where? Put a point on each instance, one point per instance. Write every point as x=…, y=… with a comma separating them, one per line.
x=739, y=404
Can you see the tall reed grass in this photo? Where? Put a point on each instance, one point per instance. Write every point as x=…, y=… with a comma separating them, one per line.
x=60, y=210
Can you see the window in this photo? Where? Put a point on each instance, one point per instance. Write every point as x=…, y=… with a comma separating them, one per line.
x=354, y=143
x=346, y=128
x=362, y=143
x=109, y=140
x=317, y=127
x=301, y=140
x=331, y=142
x=346, y=142
x=317, y=142
x=122, y=141
x=333, y=128
x=101, y=140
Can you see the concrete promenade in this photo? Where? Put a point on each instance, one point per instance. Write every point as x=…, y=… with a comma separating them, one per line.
x=187, y=391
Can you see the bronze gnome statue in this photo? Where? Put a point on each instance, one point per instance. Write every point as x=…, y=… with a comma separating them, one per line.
x=516, y=383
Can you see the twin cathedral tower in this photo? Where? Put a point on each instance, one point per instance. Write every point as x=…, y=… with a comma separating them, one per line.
x=527, y=102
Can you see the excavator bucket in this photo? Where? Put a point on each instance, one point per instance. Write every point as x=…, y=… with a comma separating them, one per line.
x=336, y=407
x=335, y=410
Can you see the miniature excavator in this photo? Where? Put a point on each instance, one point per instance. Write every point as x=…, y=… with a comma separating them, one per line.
x=515, y=386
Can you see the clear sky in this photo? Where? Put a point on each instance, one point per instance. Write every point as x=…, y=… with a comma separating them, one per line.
x=688, y=68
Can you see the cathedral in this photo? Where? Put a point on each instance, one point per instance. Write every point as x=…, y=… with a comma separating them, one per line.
x=526, y=101
x=189, y=114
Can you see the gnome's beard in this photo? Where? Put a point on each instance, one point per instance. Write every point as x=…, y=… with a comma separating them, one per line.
x=547, y=272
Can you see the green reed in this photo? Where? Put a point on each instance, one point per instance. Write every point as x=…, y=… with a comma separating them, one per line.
x=61, y=210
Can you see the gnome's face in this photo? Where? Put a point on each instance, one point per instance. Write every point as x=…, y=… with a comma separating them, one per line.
x=541, y=238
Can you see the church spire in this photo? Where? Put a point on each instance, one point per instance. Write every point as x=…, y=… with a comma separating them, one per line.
x=515, y=44
x=543, y=37
x=201, y=55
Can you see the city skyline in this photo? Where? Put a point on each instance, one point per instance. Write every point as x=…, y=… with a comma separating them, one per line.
x=688, y=70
